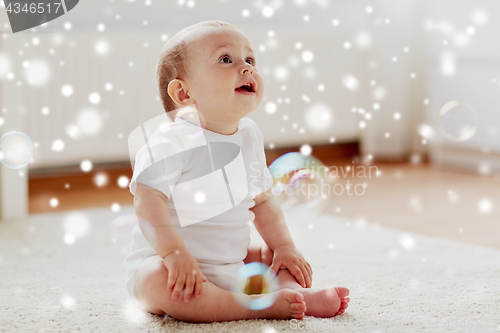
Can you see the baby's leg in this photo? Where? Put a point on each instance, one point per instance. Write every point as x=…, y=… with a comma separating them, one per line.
x=213, y=304
x=323, y=303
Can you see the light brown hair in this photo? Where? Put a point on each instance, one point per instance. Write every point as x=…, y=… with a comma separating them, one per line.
x=172, y=61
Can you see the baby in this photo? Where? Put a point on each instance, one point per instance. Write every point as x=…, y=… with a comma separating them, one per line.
x=188, y=271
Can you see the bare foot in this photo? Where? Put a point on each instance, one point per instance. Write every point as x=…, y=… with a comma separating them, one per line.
x=325, y=303
x=288, y=304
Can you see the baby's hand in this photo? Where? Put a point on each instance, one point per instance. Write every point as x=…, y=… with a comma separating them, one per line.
x=183, y=268
x=287, y=256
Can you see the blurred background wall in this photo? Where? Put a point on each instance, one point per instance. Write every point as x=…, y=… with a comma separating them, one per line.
x=374, y=72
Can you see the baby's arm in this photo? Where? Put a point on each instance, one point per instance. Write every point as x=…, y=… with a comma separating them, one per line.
x=270, y=221
x=271, y=225
x=151, y=207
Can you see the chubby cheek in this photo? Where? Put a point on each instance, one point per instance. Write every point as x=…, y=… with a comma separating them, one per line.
x=260, y=84
x=221, y=85
x=212, y=92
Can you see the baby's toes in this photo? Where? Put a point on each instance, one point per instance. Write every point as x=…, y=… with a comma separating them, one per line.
x=298, y=310
x=344, y=306
x=346, y=299
x=342, y=292
x=298, y=307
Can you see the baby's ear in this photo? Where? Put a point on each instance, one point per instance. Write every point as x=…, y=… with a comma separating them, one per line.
x=177, y=91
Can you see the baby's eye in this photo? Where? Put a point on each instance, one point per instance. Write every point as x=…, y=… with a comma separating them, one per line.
x=227, y=56
x=224, y=57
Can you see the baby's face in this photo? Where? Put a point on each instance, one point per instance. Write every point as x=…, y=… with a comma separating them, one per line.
x=215, y=72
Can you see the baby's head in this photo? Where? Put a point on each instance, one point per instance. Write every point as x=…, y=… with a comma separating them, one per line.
x=205, y=64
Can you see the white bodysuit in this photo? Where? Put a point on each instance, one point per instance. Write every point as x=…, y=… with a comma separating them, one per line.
x=219, y=244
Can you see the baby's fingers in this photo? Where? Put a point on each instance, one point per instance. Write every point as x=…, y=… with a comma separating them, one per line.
x=308, y=276
x=297, y=273
x=172, y=277
x=309, y=269
x=188, y=291
x=179, y=285
x=199, y=281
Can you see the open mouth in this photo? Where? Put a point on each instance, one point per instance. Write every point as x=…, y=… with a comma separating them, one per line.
x=248, y=87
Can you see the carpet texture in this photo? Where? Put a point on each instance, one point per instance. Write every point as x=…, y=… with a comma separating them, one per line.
x=399, y=282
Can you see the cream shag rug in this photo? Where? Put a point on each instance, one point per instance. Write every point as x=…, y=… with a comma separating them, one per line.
x=399, y=282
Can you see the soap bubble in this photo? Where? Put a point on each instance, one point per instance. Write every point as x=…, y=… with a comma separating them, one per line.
x=54, y=297
x=458, y=121
x=300, y=180
x=256, y=278
x=16, y=149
